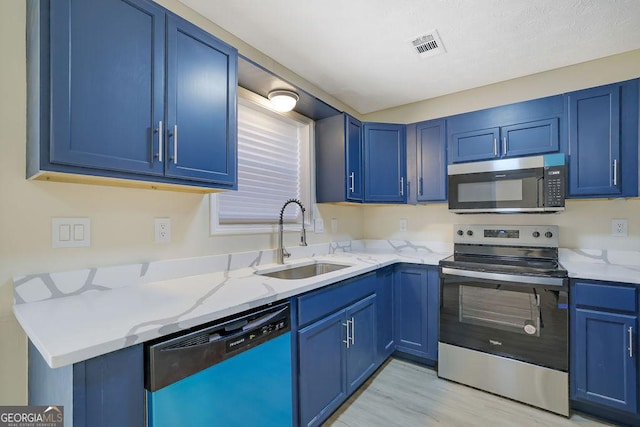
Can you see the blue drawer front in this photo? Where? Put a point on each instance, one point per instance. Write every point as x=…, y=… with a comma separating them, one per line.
x=605, y=296
x=250, y=389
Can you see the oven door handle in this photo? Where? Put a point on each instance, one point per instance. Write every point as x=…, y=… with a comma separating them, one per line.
x=514, y=278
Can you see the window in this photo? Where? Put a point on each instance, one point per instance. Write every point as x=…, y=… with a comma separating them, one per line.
x=274, y=165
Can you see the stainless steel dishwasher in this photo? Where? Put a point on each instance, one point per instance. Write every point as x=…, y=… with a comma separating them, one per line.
x=233, y=373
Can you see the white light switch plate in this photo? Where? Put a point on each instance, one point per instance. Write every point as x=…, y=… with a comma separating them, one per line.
x=70, y=232
x=318, y=225
x=334, y=225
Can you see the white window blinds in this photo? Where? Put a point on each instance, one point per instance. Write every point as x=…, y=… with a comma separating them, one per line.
x=268, y=169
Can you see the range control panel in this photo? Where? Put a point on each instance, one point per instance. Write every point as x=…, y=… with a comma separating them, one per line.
x=507, y=235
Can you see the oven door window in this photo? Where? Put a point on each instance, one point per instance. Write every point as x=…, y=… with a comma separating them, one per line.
x=515, y=320
x=517, y=312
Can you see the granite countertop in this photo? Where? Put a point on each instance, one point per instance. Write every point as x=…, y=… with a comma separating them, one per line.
x=74, y=316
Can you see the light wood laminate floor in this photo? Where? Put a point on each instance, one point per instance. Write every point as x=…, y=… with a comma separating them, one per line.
x=405, y=394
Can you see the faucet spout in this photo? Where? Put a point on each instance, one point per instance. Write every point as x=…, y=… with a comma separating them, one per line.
x=282, y=252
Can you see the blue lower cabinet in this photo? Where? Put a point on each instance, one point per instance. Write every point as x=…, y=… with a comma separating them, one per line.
x=361, y=353
x=386, y=339
x=604, y=359
x=416, y=303
x=104, y=391
x=322, y=362
x=336, y=355
x=605, y=369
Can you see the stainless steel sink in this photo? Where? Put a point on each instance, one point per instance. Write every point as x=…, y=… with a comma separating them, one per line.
x=303, y=271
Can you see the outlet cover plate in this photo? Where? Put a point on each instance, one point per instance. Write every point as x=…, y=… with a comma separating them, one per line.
x=318, y=225
x=619, y=228
x=163, y=230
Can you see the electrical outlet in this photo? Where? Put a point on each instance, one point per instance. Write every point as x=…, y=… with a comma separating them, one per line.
x=334, y=225
x=318, y=225
x=404, y=224
x=619, y=227
x=163, y=230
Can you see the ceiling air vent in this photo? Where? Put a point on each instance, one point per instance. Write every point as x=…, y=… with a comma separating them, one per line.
x=428, y=44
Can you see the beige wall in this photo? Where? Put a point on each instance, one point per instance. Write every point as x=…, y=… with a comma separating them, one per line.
x=584, y=224
x=122, y=219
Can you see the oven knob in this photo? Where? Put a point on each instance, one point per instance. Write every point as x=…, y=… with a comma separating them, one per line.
x=469, y=233
x=548, y=234
x=460, y=232
x=536, y=234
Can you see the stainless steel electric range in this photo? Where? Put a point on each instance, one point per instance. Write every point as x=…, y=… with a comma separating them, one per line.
x=504, y=314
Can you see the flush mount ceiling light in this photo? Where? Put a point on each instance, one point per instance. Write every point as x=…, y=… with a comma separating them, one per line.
x=283, y=100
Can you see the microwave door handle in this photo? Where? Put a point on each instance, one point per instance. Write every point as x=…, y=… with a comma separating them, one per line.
x=539, y=192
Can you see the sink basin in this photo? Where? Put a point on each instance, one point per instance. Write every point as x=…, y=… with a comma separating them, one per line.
x=303, y=271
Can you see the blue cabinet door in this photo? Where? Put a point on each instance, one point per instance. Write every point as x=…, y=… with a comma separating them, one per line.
x=431, y=161
x=362, y=351
x=474, y=145
x=355, y=184
x=109, y=390
x=603, y=141
x=107, y=84
x=201, y=105
x=385, y=306
x=322, y=364
x=416, y=307
x=384, y=163
x=605, y=370
x=541, y=136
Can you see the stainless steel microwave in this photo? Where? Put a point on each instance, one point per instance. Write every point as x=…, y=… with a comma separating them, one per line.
x=519, y=185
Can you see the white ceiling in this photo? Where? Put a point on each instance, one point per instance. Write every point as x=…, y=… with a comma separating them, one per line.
x=359, y=51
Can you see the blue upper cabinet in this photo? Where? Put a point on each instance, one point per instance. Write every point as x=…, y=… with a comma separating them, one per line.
x=201, y=104
x=522, y=129
x=384, y=163
x=110, y=82
x=603, y=141
x=107, y=84
x=355, y=183
x=339, y=176
x=431, y=162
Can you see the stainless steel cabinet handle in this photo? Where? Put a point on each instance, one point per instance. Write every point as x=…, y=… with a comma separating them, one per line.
x=175, y=144
x=615, y=172
x=495, y=146
x=353, y=331
x=421, y=185
x=504, y=145
x=352, y=185
x=348, y=340
x=160, y=141
x=402, y=185
x=631, y=342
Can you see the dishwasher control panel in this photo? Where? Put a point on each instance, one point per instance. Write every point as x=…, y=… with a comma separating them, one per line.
x=259, y=334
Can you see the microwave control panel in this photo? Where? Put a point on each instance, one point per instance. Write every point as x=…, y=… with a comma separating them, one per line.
x=554, y=186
